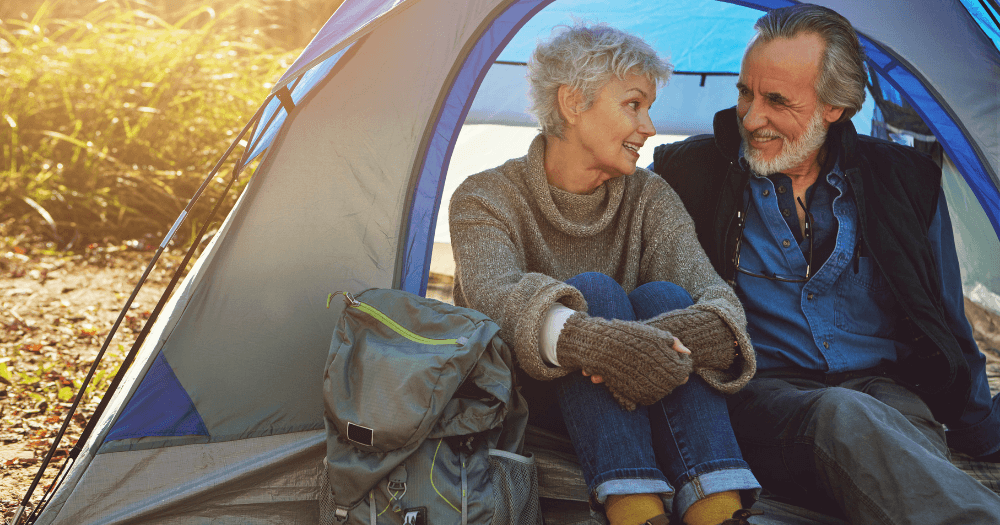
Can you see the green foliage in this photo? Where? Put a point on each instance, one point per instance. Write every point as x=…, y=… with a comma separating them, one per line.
x=110, y=121
x=66, y=394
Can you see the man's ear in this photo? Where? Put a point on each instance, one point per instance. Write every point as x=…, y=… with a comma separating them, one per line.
x=831, y=114
x=570, y=102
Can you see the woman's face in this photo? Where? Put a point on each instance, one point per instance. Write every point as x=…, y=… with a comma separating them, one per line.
x=613, y=129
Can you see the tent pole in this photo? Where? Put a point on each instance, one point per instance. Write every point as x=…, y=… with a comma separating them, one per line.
x=74, y=452
x=989, y=12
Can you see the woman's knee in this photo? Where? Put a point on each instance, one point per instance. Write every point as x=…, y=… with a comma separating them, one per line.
x=655, y=298
x=594, y=282
x=605, y=297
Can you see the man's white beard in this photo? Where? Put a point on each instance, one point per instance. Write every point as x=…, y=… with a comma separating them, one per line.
x=792, y=154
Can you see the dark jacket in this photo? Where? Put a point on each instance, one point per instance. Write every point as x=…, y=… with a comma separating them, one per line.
x=896, y=189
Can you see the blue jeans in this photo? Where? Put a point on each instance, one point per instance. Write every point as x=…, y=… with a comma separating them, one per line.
x=855, y=445
x=684, y=441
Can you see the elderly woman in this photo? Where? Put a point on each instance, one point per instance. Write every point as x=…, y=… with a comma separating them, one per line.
x=592, y=269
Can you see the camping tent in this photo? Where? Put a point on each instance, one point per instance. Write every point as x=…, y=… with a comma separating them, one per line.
x=221, y=416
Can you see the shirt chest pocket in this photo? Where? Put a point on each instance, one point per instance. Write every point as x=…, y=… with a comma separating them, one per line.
x=865, y=304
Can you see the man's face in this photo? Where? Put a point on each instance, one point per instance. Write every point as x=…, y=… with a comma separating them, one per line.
x=781, y=119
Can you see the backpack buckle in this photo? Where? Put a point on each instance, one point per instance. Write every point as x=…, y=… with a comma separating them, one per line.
x=396, y=485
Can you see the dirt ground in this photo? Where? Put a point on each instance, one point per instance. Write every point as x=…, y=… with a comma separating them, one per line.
x=55, y=313
x=56, y=310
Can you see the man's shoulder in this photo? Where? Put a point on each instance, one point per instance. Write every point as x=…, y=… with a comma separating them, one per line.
x=691, y=149
x=886, y=154
x=895, y=171
x=691, y=166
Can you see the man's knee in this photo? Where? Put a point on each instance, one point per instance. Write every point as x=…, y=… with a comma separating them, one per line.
x=842, y=419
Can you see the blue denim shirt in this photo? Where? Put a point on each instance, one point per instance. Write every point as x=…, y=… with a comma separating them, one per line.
x=846, y=305
x=848, y=315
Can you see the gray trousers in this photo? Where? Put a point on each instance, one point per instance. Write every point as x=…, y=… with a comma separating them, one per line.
x=860, y=447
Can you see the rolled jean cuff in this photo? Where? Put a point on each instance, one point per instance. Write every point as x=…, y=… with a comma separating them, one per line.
x=714, y=482
x=631, y=481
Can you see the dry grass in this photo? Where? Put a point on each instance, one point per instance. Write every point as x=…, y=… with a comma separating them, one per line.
x=110, y=119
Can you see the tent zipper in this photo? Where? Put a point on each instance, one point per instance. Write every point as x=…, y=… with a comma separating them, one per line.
x=386, y=320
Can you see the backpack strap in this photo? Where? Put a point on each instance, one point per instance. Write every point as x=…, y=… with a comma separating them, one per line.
x=465, y=490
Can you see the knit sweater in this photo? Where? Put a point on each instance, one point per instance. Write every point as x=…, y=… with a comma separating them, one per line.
x=516, y=239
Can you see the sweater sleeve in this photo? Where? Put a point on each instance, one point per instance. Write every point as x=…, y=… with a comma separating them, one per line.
x=675, y=255
x=490, y=274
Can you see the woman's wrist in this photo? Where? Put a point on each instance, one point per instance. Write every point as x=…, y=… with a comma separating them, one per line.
x=552, y=325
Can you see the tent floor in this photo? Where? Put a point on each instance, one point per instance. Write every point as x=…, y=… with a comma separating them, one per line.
x=564, y=493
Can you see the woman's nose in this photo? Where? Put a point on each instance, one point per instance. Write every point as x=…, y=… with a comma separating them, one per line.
x=646, y=127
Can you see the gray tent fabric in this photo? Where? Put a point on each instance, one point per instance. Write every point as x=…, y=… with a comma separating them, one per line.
x=340, y=201
x=975, y=242
x=249, y=332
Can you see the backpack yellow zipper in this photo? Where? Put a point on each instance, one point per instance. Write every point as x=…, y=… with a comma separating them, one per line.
x=393, y=325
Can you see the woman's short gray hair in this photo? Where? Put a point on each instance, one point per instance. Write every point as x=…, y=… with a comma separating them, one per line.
x=584, y=57
x=842, y=75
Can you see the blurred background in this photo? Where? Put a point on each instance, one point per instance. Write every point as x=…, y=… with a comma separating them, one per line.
x=112, y=112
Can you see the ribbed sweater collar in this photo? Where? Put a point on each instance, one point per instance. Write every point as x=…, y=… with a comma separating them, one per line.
x=570, y=213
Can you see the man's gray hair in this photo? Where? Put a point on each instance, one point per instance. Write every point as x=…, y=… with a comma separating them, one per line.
x=584, y=57
x=842, y=75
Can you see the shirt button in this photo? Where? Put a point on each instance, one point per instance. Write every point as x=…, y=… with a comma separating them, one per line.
x=810, y=297
x=786, y=243
x=785, y=212
x=767, y=192
x=826, y=344
x=781, y=189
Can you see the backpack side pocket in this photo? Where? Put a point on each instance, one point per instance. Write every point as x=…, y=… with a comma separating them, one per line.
x=515, y=488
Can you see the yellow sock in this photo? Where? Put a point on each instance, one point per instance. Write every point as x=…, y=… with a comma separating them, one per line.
x=632, y=509
x=713, y=509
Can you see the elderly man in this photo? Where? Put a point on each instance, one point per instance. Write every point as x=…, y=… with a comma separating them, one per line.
x=841, y=249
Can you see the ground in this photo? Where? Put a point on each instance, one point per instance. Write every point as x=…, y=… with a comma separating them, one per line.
x=56, y=310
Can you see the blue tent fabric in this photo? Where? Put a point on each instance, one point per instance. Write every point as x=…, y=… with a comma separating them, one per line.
x=427, y=194
x=988, y=18
x=351, y=18
x=698, y=36
x=944, y=126
x=160, y=407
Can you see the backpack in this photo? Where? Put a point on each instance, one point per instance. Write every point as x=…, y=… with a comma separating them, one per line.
x=424, y=424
